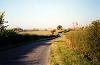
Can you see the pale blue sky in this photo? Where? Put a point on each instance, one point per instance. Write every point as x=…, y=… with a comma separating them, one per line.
x=49, y=13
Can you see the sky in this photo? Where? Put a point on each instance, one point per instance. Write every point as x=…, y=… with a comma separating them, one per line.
x=30, y=14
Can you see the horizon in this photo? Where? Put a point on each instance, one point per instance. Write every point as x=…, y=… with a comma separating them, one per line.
x=29, y=14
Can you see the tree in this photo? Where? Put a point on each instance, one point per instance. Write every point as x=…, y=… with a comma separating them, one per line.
x=2, y=21
x=59, y=27
x=53, y=31
x=18, y=29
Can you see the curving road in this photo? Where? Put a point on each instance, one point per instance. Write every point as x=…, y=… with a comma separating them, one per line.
x=32, y=54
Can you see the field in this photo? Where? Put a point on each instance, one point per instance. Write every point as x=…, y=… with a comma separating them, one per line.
x=45, y=33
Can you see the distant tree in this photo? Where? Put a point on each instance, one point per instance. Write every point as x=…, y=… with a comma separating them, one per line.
x=53, y=31
x=46, y=30
x=65, y=31
x=59, y=27
x=18, y=29
x=2, y=21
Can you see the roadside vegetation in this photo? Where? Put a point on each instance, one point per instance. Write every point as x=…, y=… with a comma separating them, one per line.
x=77, y=47
x=62, y=53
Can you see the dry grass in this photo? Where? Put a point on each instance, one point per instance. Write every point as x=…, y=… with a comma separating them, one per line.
x=62, y=52
x=82, y=42
x=36, y=32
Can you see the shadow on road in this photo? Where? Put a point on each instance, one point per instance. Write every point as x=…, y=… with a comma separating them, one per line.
x=19, y=55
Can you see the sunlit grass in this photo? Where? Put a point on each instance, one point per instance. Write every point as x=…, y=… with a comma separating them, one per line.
x=62, y=53
x=36, y=32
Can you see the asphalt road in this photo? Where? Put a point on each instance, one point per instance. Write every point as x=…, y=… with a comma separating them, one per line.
x=32, y=54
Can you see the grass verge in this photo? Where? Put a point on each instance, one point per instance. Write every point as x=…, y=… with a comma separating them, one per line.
x=62, y=52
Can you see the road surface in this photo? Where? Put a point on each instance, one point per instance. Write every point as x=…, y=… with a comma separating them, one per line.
x=32, y=54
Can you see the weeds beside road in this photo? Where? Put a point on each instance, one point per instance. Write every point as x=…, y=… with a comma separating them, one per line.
x=77, y=47
x=62, y=53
